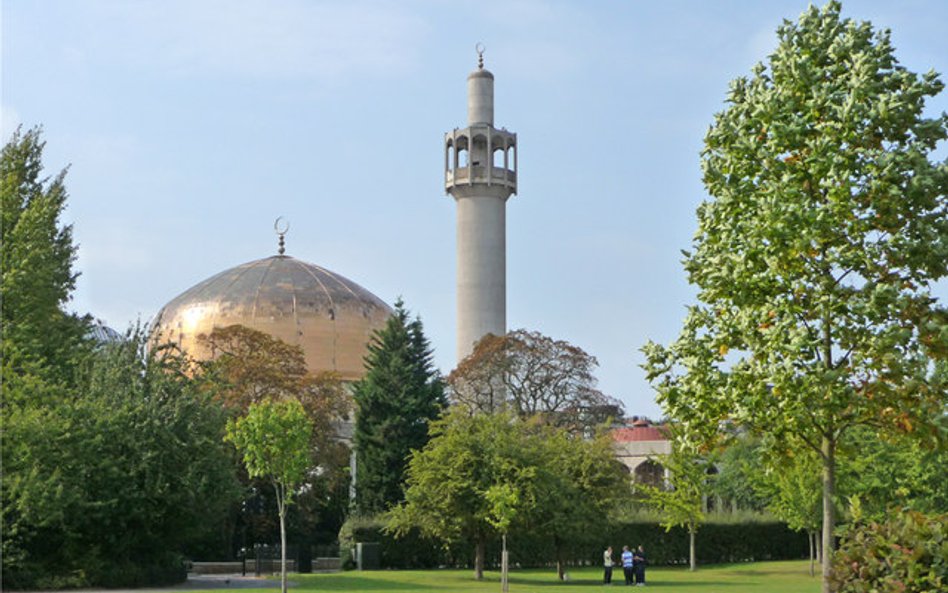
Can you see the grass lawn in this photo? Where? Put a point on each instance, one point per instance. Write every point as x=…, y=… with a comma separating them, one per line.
x=759, y=577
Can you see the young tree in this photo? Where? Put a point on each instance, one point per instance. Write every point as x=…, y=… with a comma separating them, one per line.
x=399, y=396
x=682, y=502
x=535, y=376
x=814, y=258
x=273, y=439
x=791, y=484
x=39, y=338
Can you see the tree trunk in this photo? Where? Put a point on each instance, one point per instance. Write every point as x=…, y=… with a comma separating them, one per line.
x=691, y=550
x=558, y=547
x=819, y=548
x=811, y=539
x=282, y=511
x=829, y=508
x=504, y=567
x=479, y=552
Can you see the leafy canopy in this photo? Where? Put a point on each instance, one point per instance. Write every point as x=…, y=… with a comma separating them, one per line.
x=534, y=375
x=39, y=338
x=815, y=255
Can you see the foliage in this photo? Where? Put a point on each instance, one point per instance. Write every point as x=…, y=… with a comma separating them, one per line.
x=815, y=256
x=738, y=465
x=40, y=341
x=681, y=502
x=584, y=486
x=893, y=471
x=111, y=487
x=482, y=474
x=467, y=455
x=249, y=366
x=906, y=553
x=273, y=439
x=749, y=541
x=535, y=376
x=400, y=394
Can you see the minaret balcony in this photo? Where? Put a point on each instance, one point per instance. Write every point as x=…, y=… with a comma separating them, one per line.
x=472, y=174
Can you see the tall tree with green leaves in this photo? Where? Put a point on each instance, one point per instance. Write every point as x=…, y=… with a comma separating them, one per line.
x=39, y=338
x=399, y=396
x=273, y=439
x=814, y=258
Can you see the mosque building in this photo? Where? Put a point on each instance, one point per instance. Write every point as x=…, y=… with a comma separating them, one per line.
x=331, y=317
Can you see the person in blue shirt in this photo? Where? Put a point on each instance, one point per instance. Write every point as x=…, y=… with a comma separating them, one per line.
x=628, y=566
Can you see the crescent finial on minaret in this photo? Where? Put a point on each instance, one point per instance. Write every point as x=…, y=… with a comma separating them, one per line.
x=479, y=48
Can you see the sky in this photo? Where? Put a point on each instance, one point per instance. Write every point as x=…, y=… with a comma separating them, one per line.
x=189, y=126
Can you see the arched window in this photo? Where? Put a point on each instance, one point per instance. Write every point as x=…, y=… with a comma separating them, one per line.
x=651, y=473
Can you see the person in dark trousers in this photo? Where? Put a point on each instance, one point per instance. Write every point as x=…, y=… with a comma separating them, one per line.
x=607, y=566
x=628, y=566
x=639, y=560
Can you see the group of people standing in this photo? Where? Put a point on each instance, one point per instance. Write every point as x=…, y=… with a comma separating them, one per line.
x=633, y=566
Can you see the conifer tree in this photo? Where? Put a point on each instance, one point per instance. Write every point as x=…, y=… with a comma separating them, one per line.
x=399, y=395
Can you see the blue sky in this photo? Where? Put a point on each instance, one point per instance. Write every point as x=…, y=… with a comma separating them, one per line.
x=191, y=125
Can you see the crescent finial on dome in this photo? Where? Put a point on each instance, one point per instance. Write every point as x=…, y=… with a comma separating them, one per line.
x=281, y=230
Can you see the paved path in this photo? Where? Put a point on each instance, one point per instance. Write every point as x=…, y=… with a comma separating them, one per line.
x=198, y=582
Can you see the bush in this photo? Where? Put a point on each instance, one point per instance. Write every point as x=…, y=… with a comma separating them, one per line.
x=906, y=553
x=716, y=543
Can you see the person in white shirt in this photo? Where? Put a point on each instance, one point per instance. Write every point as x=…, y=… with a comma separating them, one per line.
x=607, y=566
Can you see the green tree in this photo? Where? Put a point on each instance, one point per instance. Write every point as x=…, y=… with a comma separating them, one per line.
x=815, y=256
x=111, y=487
x=273, y=439
x=682, y=500
x=400, y=394
x=248, y=367
x=790, y=483
x=448, y=480
x=40, y=340
x=893, y=472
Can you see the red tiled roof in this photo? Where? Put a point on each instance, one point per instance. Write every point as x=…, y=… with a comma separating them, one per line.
x=640, y=433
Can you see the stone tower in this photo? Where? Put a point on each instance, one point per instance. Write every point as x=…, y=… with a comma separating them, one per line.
x=480, y=172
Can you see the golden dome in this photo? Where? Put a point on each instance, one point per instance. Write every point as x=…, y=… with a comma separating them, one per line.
x=331, y=317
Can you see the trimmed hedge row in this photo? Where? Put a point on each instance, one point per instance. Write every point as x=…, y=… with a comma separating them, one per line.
x=715, y=543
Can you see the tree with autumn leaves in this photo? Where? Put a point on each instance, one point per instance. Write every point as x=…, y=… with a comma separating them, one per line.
x=535, y=376
x=815, y=255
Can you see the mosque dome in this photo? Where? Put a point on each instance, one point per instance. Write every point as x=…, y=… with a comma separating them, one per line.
x=331, y=317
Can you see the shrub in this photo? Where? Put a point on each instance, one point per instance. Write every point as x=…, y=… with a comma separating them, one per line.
x=716, y=543
x=906, y=553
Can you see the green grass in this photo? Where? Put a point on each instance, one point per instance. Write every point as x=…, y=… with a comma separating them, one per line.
x=759, y=577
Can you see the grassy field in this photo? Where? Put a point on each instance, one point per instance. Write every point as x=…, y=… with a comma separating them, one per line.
x=761, y=577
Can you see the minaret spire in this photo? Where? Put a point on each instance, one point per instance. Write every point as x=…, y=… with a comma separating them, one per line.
x=480, y=167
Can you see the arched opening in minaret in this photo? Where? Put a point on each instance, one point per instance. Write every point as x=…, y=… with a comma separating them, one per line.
x=500, y=158
x=461, y=157
x=461, y=152
x=449, y=156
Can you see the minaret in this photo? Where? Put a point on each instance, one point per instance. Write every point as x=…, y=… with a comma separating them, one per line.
x=480, y=172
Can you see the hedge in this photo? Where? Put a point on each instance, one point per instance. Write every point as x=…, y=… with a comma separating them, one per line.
x=715, y=543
